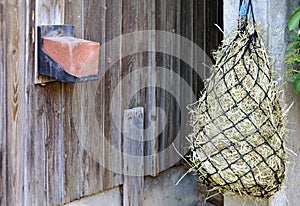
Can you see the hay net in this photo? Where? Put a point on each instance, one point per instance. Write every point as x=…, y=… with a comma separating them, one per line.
x=237, y=139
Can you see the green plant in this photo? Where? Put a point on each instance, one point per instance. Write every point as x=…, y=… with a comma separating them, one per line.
x=293, y=50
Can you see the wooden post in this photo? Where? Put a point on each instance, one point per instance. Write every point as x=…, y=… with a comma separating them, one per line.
x=133, y=149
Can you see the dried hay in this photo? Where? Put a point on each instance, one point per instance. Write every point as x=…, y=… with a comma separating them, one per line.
x=237, y=138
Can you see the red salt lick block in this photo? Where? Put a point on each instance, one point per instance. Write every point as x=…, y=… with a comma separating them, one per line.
x=78, y=57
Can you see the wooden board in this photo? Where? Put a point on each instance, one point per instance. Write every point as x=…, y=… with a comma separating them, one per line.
x=3, y=106
x=15, y=100
x=112, y=125
x=133, y=148
x=149, y=61
x=94, y=13
x=73, y=152
x=134, y=19
x=44, y=145
x=170, y=17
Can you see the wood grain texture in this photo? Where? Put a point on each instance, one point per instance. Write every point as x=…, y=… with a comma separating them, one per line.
x=52, y=12
x=186, y=71
x=44, y=145
x=50, y=125
x=15, y=110
x=74, y=14
x=111, y=79
x=213, y=35
x=199, y=38
x=94, y=29
x=133, y=20
x=149, y=62
x=133, y=148
x=45, y=149
x=35, y=143
x=73, y=152
x=167, y=17
x=42, y=158
x=30, y=183
x=3, y=102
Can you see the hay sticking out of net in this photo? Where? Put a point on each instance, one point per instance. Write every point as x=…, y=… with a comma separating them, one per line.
x=237, y=138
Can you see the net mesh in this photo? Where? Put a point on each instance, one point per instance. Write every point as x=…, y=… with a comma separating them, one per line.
x=237, y=138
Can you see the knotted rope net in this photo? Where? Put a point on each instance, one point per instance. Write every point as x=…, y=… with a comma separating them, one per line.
x=237, y=138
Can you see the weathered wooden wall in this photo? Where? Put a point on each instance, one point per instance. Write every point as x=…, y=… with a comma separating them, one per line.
x=42, y=161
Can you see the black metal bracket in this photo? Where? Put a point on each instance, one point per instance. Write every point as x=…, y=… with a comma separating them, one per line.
x=48, y=66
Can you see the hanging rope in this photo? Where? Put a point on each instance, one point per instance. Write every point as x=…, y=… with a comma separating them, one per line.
x=243, y=8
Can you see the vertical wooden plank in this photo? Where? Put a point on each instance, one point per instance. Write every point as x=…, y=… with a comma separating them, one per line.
x=52, y=12
x=133, y=20
x=162, y=60
x=30, y=183
x=3, y=102
x=199, y=33
x=220, y=20
x=177, y=69
x=54, y=146
x=149, y=61
x=36, y=167
x=214, y=11
x=73, y=151
x=35, y=163
x=140, y=15
x=15, y=91
x=74, y=14
x=133, y=148
x=186, y=71
x=168, y=16
x=186, y=30
x=86, y=128
x=44, y=145
x=171, y=105
x=112, y=133
x=94, y=29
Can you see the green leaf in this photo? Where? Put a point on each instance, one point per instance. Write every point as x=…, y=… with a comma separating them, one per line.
x=297, y=87
x=295, y=36
x=294, y=20
x=291, y=45
x=295, y=77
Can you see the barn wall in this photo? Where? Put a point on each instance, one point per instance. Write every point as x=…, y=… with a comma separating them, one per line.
x=43, y=126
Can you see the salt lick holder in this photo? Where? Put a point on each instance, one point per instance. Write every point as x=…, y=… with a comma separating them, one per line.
x=65, y=58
